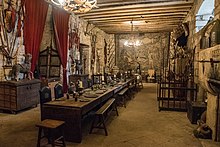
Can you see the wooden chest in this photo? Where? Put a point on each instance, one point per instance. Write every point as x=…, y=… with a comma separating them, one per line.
x=18, y=95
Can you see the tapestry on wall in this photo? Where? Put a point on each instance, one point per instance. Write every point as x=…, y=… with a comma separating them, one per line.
x=149, y=54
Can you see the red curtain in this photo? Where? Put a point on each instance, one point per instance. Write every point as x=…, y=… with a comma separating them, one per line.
x=61, y=20
x=34, y=22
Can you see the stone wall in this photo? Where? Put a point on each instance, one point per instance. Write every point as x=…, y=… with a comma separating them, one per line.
x=203, y=71
x=85, y=32
x=85, y=38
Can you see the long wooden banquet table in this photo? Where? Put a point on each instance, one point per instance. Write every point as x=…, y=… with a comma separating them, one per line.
x=72, y=111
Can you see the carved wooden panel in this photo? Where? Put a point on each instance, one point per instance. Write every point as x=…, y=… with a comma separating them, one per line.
x=49, y=63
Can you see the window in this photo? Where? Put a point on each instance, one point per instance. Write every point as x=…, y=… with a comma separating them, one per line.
x=205, y=14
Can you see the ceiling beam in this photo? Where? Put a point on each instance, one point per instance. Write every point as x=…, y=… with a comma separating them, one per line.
x=114, y=16
x=151, y=5
x=140, y=13
x=140, y=27
x=156, y=18
x=143, y=23
x=103, y=3
x=120, y=31
x=138, y=16
x=186, y=8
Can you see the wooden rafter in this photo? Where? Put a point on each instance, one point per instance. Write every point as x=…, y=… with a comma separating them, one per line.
x=113, y=16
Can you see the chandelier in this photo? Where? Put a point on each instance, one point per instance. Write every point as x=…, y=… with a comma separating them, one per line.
x=132, y=42
x=76, y=6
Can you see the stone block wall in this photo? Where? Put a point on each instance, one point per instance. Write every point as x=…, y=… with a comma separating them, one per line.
x=85, y=32
x=85, y=38
x=203, y=71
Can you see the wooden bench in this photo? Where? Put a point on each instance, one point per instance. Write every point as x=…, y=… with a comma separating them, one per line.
x=51, y=127
x=131, y=90
x=101, y=115
x=122, y=96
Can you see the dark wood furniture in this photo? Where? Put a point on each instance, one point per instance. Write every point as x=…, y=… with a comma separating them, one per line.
x=131, y=90
x=101, y=115
x=18, y=95
x=45, y=96
x=72, y=111
x=58, y=91
x=122, y=96
x=84, y=78
x=172, y=95
x=50, y=82
x=49, y=63
x=195, y=110
x=51, y=126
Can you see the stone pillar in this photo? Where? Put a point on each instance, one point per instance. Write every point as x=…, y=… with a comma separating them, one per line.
x=211, y=116
x=201, y=95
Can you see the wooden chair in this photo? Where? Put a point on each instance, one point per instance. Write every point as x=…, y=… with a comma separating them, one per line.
x=54, y=129
x=58, y=91
x=45, y=96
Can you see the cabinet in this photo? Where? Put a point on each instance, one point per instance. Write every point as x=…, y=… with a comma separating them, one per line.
x=18, y=95
x=49, y=63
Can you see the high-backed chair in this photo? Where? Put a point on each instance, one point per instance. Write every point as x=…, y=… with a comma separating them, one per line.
x=49, y=126
x=58, y=91
x=45, y=95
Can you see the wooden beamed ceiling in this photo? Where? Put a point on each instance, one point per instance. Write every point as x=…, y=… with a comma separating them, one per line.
x=115, y=16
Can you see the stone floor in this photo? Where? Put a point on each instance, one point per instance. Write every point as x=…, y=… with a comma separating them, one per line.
x=138, y=125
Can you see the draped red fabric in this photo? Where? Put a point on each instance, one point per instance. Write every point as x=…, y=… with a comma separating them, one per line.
x=61, y=20
x=34, y=22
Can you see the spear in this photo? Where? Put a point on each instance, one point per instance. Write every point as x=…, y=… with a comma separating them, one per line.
x=4, y=30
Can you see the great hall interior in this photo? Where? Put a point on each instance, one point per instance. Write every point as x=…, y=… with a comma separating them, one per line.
x=109, y=73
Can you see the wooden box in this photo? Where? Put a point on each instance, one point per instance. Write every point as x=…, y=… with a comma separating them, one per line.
x=18, y=95
x=195, y=110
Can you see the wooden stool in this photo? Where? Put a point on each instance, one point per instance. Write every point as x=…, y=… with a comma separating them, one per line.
x=51, y=126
